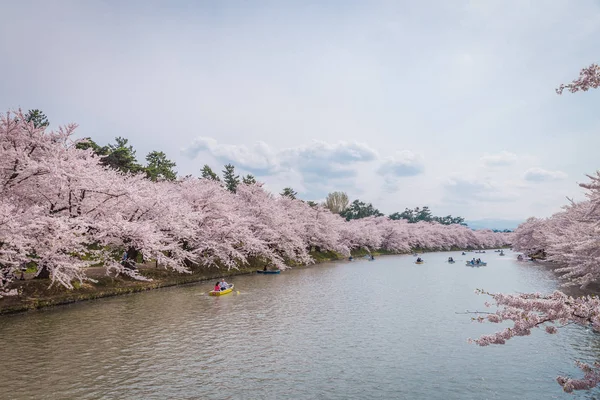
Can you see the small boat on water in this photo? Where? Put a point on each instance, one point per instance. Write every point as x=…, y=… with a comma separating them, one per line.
x=261, y=271
x=480, y=264
x=451, y=261
x=419, y=262
x=221, y=292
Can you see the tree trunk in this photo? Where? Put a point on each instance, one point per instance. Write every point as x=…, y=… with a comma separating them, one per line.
x=131, y=257
x=43, y=272
x=132, y=254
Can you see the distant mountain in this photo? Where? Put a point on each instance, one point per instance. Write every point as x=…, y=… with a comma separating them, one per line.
x=499, y=224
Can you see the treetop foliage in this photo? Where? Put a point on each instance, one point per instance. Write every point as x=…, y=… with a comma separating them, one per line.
x=424, y=214
x=289, y=192
x=230, y=179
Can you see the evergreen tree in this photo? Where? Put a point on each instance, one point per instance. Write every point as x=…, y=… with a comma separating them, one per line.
x=289, y=192
x=359, y=209
x=230, y=178
x=160, y=167
x=88, y=143
x=207, y=173
x=424, y=214
x=249, y=180
x=38, y=118
x=121, y=156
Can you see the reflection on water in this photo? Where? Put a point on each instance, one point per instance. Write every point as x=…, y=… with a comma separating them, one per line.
x=383, y=329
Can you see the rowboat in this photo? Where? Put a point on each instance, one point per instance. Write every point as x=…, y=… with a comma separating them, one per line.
x=419, y=262
x=481, y=264
x=221, y=292
x=261, y=271
x=451, y=262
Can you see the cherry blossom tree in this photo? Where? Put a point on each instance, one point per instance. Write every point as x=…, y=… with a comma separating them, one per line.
x=571, y=240
x=63, y=209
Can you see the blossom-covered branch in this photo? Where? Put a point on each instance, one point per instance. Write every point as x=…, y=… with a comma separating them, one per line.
x=570, y=240
x=589, y=78
x=528, y=311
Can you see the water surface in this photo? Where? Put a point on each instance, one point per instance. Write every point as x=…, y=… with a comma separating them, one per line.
x=344, y=330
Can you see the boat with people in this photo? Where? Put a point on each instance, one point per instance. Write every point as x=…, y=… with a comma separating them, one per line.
x=501, y=253
x=419, y=261
x=476, y=263
x=266, y=271
x=222, y=291
x=450, y=260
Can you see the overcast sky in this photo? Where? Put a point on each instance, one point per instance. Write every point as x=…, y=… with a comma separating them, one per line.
x=443, y=103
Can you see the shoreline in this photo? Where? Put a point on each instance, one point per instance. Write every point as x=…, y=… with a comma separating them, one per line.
x=36, y=294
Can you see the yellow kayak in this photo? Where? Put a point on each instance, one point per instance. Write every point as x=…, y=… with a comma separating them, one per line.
x=221, y=292
x=419, y=262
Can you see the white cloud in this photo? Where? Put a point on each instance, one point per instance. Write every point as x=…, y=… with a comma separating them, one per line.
x=316, y=162
x=543, y=175
x=499, y=159
x=469, y=190
x=320, y=160
x=257, y=158
x=404, y=163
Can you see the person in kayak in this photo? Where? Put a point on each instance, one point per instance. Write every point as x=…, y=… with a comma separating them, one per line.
x=224, y=285
x=450, y=259
x=217, y=287
x=419, y=259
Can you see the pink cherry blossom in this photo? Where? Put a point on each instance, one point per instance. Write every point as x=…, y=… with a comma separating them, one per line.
x=570, y=240
x=589, y=78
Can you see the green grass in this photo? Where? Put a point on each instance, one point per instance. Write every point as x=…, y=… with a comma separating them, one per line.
x=322, y=256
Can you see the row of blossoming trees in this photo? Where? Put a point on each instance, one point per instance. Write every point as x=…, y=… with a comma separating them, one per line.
x=62, y=210
x=570, y=239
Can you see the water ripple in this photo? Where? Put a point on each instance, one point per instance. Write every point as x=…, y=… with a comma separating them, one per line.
x=384, y=329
